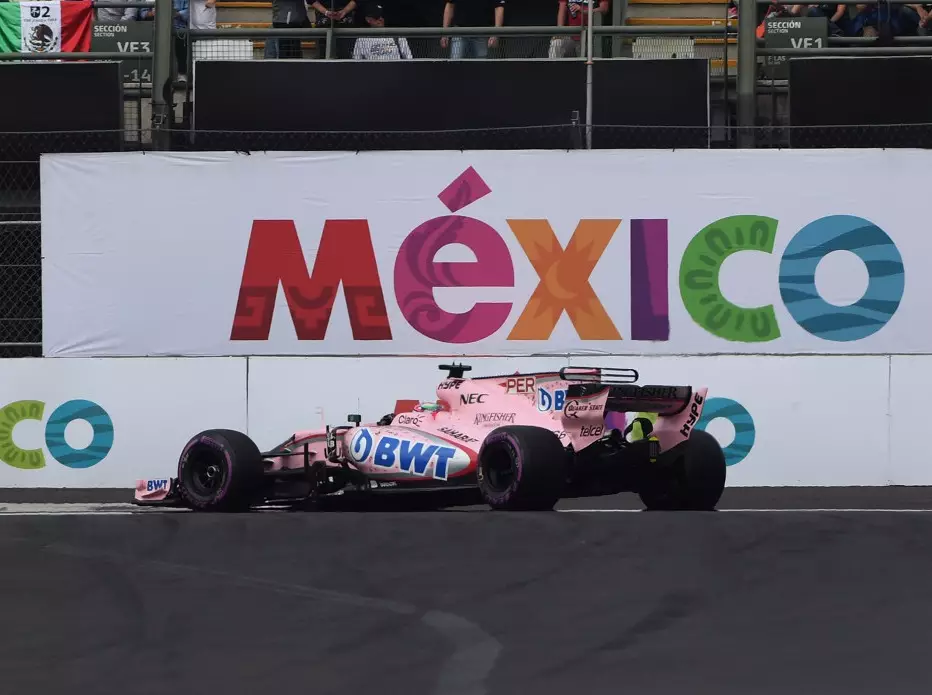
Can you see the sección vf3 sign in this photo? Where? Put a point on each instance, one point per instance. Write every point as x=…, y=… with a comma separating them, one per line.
x=31, y=459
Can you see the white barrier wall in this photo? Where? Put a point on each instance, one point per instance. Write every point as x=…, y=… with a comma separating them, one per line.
x=105, y=422
x=784, y=421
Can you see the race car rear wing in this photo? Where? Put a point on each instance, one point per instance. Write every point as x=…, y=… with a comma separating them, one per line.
x=624, y=395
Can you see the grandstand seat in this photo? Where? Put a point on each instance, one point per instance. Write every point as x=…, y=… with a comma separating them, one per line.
x=685, y=13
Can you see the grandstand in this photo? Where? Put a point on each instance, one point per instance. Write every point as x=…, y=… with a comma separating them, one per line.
x=239, y=14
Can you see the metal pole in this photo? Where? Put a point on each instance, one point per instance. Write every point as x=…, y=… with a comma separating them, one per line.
x=747, y=71
x=162, y=76
x=589, y=81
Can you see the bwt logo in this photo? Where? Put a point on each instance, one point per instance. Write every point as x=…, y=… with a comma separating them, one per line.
x=394, y=452
x=32, y=459
x=346, y=256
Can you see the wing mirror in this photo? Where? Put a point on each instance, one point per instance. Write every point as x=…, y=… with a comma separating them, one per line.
x=354, y=418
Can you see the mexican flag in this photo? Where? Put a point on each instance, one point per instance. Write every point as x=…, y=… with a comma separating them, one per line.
x=62, y=26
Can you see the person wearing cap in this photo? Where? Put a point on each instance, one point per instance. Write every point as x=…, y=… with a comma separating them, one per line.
x=379, y=47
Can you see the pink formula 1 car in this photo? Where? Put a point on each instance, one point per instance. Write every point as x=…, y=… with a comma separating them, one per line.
x=525, y=440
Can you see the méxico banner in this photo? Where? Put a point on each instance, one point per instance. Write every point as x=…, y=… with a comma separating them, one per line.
x=486, y=253
x=46, y=27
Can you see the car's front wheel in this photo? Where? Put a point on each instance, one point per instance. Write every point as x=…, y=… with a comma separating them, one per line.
x=220, y=470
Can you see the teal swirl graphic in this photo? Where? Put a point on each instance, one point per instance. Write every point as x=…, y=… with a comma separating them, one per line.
x=884, y=267
x=740, y=419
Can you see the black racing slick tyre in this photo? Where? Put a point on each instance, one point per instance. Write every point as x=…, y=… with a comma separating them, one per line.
x=521, y=469
x=220, y=470
x=692, y=479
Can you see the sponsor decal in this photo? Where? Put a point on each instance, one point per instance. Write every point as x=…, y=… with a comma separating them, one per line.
x=402, y=453
x=59, y=449
x=497, y=418
x=573, y=408
x=156, y=485
x=519, y=384
x=412, y=420
x=548, y=400
x=473, y=398
x=591, y=430
x=693, y=416
x=458, y=435
x=450, y=384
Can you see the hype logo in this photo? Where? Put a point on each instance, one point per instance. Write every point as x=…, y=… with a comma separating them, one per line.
x=346, y=256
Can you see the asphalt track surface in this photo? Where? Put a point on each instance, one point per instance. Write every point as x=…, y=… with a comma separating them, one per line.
x=815, y=592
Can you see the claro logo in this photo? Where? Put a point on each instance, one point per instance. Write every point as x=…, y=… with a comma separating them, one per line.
x=30, y=459
x=346, y=257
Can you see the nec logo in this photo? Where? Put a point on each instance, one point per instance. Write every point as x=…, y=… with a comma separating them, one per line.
x=472, y=398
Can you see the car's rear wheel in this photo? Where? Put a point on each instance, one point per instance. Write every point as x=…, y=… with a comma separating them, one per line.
x=692, y=476
x=521, y=468
x=220, y=470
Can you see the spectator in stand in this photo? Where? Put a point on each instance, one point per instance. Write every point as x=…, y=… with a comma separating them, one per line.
x=145, y=13
x=883, y=21
x=837, y=15
x=380, y=47
x=577, y=12
x=180, y=20
x=924, y=28
x=203, y=14
x=116, y=14
x=472, y=13
x=339, y=14
x=289, y=14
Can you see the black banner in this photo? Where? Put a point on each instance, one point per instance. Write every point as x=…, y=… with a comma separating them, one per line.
x=486, y=104
x=651, y=103
x=61, y=96
x=860, y=102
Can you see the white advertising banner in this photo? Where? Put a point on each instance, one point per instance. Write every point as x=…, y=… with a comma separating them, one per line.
x=106, y=422
x=485, y=253
x=783, y=421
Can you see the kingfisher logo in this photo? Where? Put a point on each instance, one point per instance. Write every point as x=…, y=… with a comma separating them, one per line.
x=548, y=400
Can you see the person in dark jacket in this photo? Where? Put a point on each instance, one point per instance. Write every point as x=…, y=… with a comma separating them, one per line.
x=289, y=14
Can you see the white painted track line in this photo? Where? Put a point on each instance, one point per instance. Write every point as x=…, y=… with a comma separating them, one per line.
x=767, y=511
x=125, y=509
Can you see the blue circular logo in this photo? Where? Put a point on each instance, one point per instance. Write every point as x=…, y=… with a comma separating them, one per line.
x=361, y=445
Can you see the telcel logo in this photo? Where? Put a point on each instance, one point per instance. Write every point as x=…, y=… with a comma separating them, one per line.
x=32, y=459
